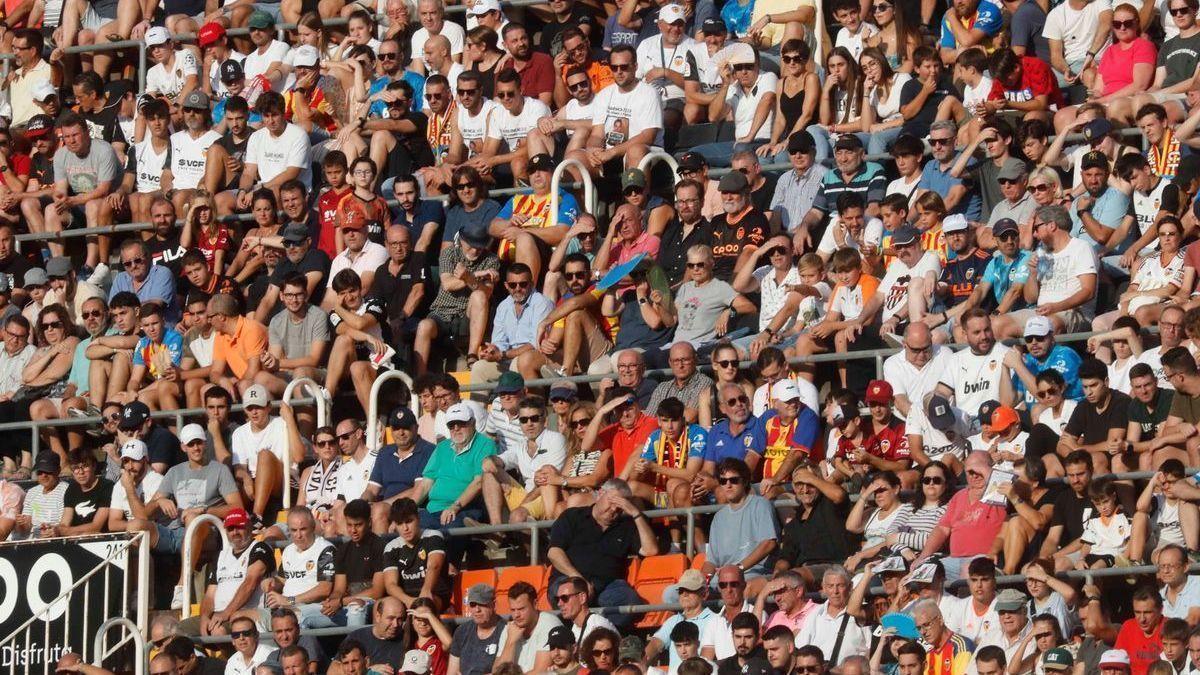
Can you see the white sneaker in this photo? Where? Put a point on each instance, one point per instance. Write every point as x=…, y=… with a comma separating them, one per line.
x=177, y=598
x=100, y=274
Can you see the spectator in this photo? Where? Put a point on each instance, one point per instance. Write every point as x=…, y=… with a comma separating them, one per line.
x=384, y=643
x=689, y=385
x=43, y=506
x=418, y=557
x=969, y=524
x=744, y=532
x=477, y=642
x=448, y=487
x=523, y=640
x=233, y=584
x=827, y=628
x=249, y=653
x=1100, y=421
x=393, y=476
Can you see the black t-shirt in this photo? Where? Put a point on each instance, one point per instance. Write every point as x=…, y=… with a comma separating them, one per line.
x=1149, y=419
x=411, y=560
x=163, y=446
x=41, y=167
x=15, y=267
x=360, y=562
x=393, y=289
x=673, y=247
x=728, y=241
x=600, y=555
x=1091, y=426
x=551, y=39
x=315, y=260
x=633, y=331
x=167, y=252
x=476, y=656
x=761, y=198
x=86, y=504
x=379, y=650
x=236, y=151
x=104, y=125
x=815, y=539
x=919, y=125
x=411, y=151
x=1071, y=511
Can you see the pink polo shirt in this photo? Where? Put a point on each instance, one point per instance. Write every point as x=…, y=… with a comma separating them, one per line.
x=973, y=525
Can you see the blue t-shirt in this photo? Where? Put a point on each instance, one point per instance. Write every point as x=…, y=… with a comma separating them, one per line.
x=172, y=341
x=695, y=436
x=936, y=180
x=1061, y=358
x=427, y=211
x=1003, y=275
x=722, y=443
x=1108, y=209
x=393, y=476
x=987, y=19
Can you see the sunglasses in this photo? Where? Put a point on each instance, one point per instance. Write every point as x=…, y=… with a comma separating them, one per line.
x=620, y=67
x=564, y=597
x=1043, y=636
x=730, y=480
x=464, y=186
x=932, y=480
x=727, y=363
x=792, y=58
x=235, y=634
x=881, y=7
x=742, y=400
x=131, y=263
x=529, y=419
x=516, y=284
x=696, y=266
x=1180, y=11
x=456, y=425
x=52, y=325
x=1127, y=24
x=579, y=86
x=940, y=141
x=582, y=421
x=1040, y=187
x=388, y=56
x=1046, y=393
x=729, y=584
x=1008, y=236
x=94, y=314
x=468, y=92
x=601, y=652
x=506, y=94
x=742, y=67
x=346, y=436
x=1008, y=181
x=1030, y=339
x=325, y=443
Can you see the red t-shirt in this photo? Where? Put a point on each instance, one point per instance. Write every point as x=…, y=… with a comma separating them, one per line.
x=891, y=443
x=439, y=659
x=20, y=163
x=973, y=525
x=1036, y=79
x=538, y=75
x=327, y=207
x=1143, y=649
x=625, y=443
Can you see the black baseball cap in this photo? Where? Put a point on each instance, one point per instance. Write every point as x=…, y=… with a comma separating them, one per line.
x=1094, y=160
x=692, y=161
x=542, y=162
x=133, y=416
x=231, y=71
x=402, y=418
x=802, y=142
x=714, y=25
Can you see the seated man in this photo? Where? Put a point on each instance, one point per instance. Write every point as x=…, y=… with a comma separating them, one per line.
x=305, y=576
x=515, y=117
x=131, y=492
x=514, y=331
x=358, y=567
x=86, y=501
x=360, y=349
x=394, y=477
x=111, y=354
x=298, y=338
x=303, y=257
x=87, y=170
x=238, y=346
x=151, y=283
x=156, y=358
x=260, y=447
x=525, y=226
x=448, y=487
x=541, y=447
x=233, y=582
x=415, y=564
x=575, y=325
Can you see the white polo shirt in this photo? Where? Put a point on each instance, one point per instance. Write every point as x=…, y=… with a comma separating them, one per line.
x=718, y=634
x=821, y=629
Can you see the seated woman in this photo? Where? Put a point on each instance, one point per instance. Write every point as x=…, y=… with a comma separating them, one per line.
x=1125, y=68
x=586, y=466
x=882, y=496
x=916, y=519
x=841, y=103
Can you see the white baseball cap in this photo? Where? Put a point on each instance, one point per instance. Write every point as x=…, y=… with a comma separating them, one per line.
x=482, y=7
x=671, y=13
x=459, y=412
x=133, y=449
x=1038, y=326
x=305, y=56
x=785, y=390
x=1114, y=657
x=191, y=433
x=43, y=90
x=157, y=35
x=415, y=661
x=955, y=222
x=256, y=395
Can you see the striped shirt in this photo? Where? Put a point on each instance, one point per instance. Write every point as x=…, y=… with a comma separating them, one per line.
x=45, y=508
x=952, y=658
x=506, y=430
x=915, y=525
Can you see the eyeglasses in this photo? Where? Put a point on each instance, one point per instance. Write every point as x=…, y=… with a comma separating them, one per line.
x=919, y=350
x=940, y=141
x=529, y=419
x=15, y=336
x=464, y=186
x=973, y=473
x=726, y=363
x=1181, y=11
x=730, y=480
x=513, y=285
x=456, y=425
x=133, y=262
x=235, y=634
x=932, y=480
x=347, y=436
x=52, y=325
x=696, y=265
x=1128, y=24
x=582, y=422
x=738, y=400
x=506, y=94
x=325, y=443
x=94, y=314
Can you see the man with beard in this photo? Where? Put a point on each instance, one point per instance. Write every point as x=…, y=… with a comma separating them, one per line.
x=576, y=333
x=1099, y=422
x=536, y=69
x=398, y=140
x=851, y=173
x=423, y=217
x=627, y=119
x=1062, y=276
x=984, y=371
x=471, y=122
x=506, y=139
x=188, y=158
x=716, y=635
x=956, y=284
x=525, y=226
x=165, y=245
x=577, y=54
x=224, y=160
x=233, y=582
x=439, y=98
x=515, y=325
x=741, y=229
x=1097, y=214
x=1044, y=354
x=573, y=119
x=748, y=658
x=400, y=284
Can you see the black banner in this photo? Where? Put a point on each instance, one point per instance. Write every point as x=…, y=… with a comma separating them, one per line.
x=33, y=574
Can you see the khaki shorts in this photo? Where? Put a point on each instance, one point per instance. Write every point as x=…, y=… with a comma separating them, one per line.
x=1072, y=320
x=516, y=500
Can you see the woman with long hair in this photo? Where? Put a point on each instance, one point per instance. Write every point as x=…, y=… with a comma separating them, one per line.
x=310, y=30
x=911, y=527
x=44, y=378
x=204, y=230
x=882, y=495
x=482, y=54
x=584, y=469
x=1047, y=630
x=881, y=117
x=725, y=368
x=897, y=36
x=797, y=96
x=265, y=211
x=1053, y=408
x=841, y=102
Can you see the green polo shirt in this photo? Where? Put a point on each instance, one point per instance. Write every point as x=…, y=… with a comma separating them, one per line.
x=452, y=472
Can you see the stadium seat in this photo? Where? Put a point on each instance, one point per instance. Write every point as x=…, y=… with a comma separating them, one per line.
x=654, y=575
x=691, y=135
x=536, y=575
x=631, y=576
x=467, y=579
x=698, y=561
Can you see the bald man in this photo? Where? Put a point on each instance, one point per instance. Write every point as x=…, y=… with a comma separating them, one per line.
x=438, y=60
x=688, y=385
x=915, y=371
x=73, y=663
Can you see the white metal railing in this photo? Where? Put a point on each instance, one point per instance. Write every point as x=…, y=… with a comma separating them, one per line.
x=659, y=156
x=324, y=410
x=374, y=435
x=100, y=652
x=62, y=607
x=188, y=532
x=589, y=187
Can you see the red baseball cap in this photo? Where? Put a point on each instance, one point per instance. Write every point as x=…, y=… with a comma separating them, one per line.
x=879, y=391
x=210, y=33
x=237, y=518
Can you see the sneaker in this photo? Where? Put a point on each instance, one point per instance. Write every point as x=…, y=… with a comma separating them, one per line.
x=98, y=275
x=177, y=598
x=256, y=523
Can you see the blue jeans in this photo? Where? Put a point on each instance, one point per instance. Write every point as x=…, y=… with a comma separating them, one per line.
x=455, y=546
x=721, y=154
x=881, y=141
x=617, y=593
x=311, y=616
x=824, y=144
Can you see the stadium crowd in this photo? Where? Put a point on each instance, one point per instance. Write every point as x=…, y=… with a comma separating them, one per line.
x=332, y=200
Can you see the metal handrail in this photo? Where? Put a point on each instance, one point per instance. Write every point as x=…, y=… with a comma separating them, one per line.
x=324, y=406
x=99, y=653
x=589, y=187
x=656, y=156
x=373, y=433
x=186, y=610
